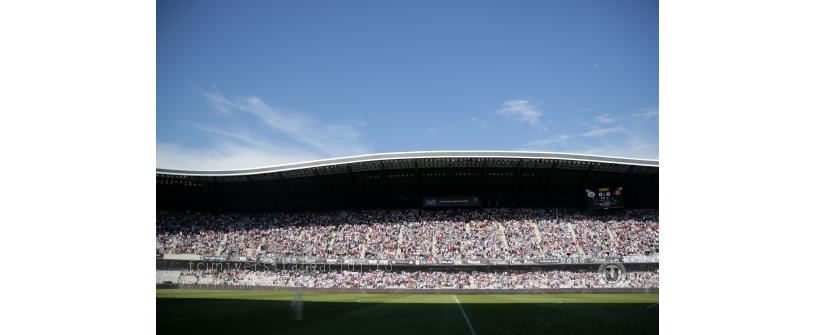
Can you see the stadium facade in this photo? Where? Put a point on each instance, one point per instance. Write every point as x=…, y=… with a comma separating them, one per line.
x=212, y=221
x=413, y=180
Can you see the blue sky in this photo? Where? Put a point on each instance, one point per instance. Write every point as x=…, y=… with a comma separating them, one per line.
x=257, y=83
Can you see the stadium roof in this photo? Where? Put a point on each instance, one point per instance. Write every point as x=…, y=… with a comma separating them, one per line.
x=501, y=178
x=416, y=155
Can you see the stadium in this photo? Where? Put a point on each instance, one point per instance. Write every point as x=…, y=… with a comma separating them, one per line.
x=447, y=242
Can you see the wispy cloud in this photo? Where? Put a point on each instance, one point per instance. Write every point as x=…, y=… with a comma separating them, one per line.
x=225, y=155
x=604, y=118
x=603, y=132
x=481, y=123
x=329, y=139
x=217, y=100
x=632, y=146
x=600, y=134
x=269, y=136
x=628, y=145
x=521, y=110
x=647, y=113
x=547, y=143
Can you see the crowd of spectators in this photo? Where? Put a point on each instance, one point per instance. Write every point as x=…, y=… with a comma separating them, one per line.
x=380, y=279
x=382, y=241
x=522, y=240
x=192, y=233
x=633, y=232
x=557, y=240
x=417, y=240
x=593, y=237
x=411, y=234
x=637, y=235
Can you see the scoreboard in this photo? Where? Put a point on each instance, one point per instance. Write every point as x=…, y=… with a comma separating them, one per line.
x=605, y=197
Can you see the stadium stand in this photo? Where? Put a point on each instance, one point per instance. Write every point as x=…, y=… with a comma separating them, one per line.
x=380, y=279
x=412, y=234
x=437, y=220
x=167, y=276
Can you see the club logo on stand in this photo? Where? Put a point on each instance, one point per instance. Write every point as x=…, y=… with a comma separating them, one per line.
x=612, y=273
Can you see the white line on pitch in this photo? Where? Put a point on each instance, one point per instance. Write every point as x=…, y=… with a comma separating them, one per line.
x=472, y=331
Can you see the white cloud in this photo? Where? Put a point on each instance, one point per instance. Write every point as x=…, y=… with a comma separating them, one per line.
x=298, y=137
x=521, y=110
x=218, y=102
x=329, y=139
x=240, y=135
x=226, y=156
x=603, y=132
x=647, y=113
x=481, y=123
x=629, y=146
x=603, y=135
x=546, y=142
x=604, y=118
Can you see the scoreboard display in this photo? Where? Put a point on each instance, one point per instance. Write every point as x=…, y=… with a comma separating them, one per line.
x=605, y=197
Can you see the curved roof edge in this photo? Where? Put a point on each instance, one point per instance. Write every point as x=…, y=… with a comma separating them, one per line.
x=415, y=155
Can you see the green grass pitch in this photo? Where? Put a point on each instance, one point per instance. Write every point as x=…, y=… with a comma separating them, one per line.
x=266, y=312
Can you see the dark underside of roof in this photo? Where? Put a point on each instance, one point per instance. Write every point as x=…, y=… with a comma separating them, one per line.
x=402, y=183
